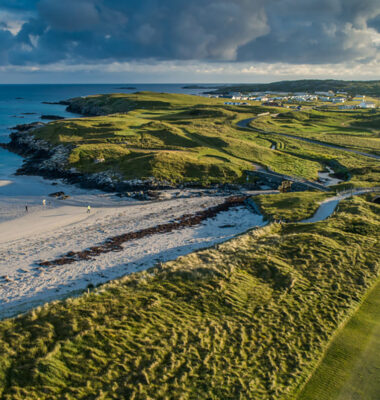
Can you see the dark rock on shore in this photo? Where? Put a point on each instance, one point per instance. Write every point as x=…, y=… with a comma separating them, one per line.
x=90, y=110
x=52, y=117
x=27, y=127
x=61, y=103
x=51, y=162
x=43, y=159
x=127, y=88
x=57, y=194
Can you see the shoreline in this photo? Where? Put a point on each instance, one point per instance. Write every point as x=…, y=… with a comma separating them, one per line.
x=47, y=234
x=137, y=238
x=47, y=161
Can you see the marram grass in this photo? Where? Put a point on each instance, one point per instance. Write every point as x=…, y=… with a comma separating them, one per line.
x=247, y=319
x=292, y=207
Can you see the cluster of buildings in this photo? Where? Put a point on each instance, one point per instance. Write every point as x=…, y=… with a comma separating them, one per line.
x=276, y=99
x=235, y=103
x=363, y=104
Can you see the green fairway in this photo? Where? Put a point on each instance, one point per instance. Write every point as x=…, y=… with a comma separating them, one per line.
x=350, y=369
x=356, y=129
x=359, y=170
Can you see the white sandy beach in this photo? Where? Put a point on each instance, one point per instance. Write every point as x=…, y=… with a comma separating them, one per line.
x=46, y=233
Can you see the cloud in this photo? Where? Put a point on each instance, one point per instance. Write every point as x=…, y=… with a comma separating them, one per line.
x=69, y=15
x=272, y=31
x=6, y=42
x=375, y=23
x=18, y=5
x=317, y=32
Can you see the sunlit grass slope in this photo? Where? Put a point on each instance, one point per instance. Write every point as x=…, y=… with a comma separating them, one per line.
x=358, y=170
x=357, y=129
x=169, y=137
x=247, y=319
x=182, y=138
x=290, y=206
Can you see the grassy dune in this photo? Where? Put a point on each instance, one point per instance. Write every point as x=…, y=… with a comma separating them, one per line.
x=180, y=138
x=290, y=207
x=247, y=319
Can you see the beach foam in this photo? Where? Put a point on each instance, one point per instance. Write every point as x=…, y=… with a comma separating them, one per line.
x=5, y=183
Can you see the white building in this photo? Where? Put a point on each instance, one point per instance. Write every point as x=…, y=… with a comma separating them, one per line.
x=367, y=105
x=234, y=103
x=339, y=100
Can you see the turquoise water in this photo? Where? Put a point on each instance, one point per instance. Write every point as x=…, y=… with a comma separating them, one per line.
x=22, y=104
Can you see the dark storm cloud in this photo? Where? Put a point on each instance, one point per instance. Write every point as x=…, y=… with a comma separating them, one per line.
x=6, y=43
x=324, y=31
x=18, y=5
x=295, y=31
x=375, y=23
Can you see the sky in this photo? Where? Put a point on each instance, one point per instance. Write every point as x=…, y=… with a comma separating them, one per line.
x=200, y=41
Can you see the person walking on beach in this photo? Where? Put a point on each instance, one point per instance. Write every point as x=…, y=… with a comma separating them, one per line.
x=26, y=208
x=88, y=209
x=43, y=203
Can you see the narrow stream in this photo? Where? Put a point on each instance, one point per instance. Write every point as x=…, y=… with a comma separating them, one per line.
x=327, y=207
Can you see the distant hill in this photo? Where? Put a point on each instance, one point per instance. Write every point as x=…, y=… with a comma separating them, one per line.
x=369, y=88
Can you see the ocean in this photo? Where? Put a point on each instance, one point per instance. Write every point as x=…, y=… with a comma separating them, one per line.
x=22, y=104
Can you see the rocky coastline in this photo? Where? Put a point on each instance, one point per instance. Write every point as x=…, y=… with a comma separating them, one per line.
x=51, y=162
x=87, y=110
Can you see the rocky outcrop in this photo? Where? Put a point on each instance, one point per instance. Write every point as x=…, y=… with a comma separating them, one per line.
x=51, y=162
x=61, y=103
x=28, y=127
x=52, y=117
x=84, y=108
x=41, y=157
